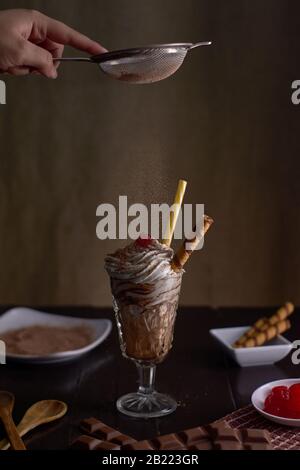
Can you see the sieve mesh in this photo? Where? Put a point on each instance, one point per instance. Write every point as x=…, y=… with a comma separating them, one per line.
x=151, y=66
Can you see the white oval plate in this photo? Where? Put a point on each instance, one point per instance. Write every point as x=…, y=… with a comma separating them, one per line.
x=22, y=317
x=260, y=394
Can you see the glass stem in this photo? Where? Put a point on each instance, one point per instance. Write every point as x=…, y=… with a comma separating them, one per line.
x=146, y=378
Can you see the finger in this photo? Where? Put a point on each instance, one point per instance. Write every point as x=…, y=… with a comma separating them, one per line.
x=57, y=54
x=38, y=58
x=18, y=71
x=54, y=48
x=63, y=34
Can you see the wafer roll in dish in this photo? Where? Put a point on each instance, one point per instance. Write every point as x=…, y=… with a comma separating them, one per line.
x=282, y=313
x=264, y=323
x=183, y=254
x=260, y=323
x=263, y=336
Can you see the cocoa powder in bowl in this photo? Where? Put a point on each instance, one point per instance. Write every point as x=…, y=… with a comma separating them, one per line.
x=41, y=340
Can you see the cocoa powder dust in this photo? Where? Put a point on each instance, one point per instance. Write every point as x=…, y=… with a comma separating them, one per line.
x=41, y=340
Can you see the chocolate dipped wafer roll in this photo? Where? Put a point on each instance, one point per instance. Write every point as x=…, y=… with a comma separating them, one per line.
x=263, y=336
x=184, y=253
x=263, y=324
x=258, y=325
x=282, y=313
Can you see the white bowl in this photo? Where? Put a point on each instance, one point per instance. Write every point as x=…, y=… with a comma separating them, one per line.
x=270, y=353
x=261, y=393
x=22, y=317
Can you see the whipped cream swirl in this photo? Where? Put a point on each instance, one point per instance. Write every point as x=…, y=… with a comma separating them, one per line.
x=141, y=275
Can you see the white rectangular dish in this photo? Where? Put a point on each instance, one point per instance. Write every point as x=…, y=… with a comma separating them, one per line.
x=270, y=353
x=24, y=317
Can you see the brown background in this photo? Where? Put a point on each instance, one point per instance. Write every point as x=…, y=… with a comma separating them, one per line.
x=225, y=122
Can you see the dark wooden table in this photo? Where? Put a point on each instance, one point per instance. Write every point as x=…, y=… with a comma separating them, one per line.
x=206, y=384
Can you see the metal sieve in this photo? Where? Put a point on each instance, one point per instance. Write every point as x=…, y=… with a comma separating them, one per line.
x=141, y=65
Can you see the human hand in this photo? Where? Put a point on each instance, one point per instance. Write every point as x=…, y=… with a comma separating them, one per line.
x=30, y=40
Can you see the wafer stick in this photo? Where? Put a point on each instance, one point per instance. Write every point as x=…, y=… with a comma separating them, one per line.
x=251, y=332
x=263, y=323
x=183, y=254
x=282, y=313
x=175, y=212
x=263, y=336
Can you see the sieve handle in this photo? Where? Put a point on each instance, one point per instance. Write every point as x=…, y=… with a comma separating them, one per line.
x=199, y=44
x=73, y=59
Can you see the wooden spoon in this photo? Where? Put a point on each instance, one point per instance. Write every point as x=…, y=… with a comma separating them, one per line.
x=41, y=412
x=7, y=401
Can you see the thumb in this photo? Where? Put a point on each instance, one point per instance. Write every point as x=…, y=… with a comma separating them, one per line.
x=38, y=58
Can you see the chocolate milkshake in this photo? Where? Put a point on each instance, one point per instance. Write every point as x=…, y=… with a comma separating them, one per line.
x=145, y=280
x=145, y=291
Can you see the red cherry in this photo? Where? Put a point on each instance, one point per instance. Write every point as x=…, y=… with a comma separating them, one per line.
x=294, y=401
x=281, y=392
x=295, y=391
x=274, y=410
x=292, y=414
x=277, y=401
x=293, y=406
x=268, y=401
x=280, y=399
x=270, y=410
x=270, y=405
x=284, y=401
x=144, y=241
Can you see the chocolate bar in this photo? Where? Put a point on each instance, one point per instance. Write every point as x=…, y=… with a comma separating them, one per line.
x=91, y=443
x=99, y=430
x=257, y=446
x=255, y=435
x=204, y=444
x=215, y=436
x=191, y=436
x=224, y=437
x=91, y=425
x=256, y=439
x=85, y=443
x=139, y=445
x=219, y=444
x=168, y=442
x=221, y=431
x=106, y=445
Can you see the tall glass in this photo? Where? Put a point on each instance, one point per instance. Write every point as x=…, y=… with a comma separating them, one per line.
x=146, y=336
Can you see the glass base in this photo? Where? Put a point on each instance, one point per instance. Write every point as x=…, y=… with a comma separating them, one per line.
x=151, y=405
